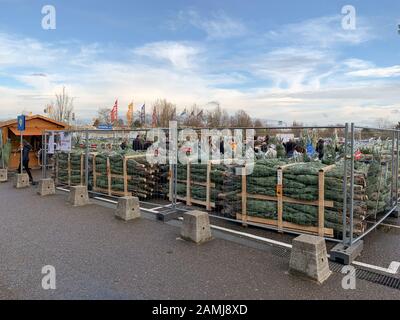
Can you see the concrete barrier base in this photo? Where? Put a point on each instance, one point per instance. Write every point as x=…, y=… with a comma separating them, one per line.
x=346, y=255
x=309, y=258
x=21, y=180
x=196, y=226
x=46, y=187
x=78, y=196
x=128, y=208
x=3, y=175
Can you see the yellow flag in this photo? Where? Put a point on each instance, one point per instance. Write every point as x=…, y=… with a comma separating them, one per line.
x=129, y=115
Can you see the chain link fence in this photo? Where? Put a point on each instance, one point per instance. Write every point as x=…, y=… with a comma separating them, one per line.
x=337, y=182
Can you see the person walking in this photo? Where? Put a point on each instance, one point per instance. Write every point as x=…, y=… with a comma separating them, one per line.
x=25, y=160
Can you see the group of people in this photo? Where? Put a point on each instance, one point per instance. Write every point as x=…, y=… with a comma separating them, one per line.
x=291, y=147
x=260, y=144
x=138, y=144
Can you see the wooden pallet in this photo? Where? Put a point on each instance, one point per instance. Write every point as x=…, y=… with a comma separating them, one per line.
x=321, y=203
x=69, y=169
x=188, y=199
x=124, y=176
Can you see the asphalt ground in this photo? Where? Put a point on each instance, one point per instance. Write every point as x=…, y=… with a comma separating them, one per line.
x=99, y=257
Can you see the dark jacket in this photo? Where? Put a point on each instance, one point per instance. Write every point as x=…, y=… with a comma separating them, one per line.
x=123, y=146
x=289, y=146
x=320, y=149
x=25, y=152
x=137, y=144
x=221, y=147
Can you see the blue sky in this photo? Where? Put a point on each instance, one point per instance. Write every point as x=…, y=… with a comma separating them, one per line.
x=281, y=60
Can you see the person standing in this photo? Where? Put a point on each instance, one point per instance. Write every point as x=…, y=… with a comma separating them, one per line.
x=124, y=145
x=137, y=144
x=25, y=160
x=290, y=147
x=320, y=149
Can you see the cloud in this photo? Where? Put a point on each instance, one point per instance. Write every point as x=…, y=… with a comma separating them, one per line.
x=387, y=72
x=180, y=55
x=298, y=79
x=27, y=52
x=294, y=68
x=216, y=26
x=323, y=32
x=357, y=64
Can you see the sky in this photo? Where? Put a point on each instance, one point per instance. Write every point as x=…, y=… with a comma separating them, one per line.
x=278, y=60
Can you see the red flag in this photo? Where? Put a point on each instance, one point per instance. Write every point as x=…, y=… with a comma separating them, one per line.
x=114, y=112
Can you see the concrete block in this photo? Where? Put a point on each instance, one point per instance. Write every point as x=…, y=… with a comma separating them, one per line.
x=78, y=196
x=3, y=175
x=128, y=208
x=196, y=226
x=309, y=258
x=46, y=187
x=21, y=180
x=346, y=254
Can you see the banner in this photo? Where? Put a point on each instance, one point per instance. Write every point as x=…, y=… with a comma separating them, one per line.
x=65, y=141
x=50, y=146
x=129, y=115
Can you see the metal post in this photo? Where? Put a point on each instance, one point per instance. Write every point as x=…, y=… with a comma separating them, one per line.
x=44, y=163
x=22, y=150
x=2, y=148
x=87, y=159
x=352, y=184
x=393, y=171
x=397, y=170
x=42, y=155
x=344, y=214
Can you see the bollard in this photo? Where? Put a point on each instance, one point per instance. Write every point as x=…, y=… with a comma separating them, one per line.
x=128, y=208
x=196, y=226
x=78, y=196
x=309, y=258
x=46, y=187
x=21, y=180
x=3, y=175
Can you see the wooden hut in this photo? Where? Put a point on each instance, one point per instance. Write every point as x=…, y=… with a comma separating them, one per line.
x=35, y=126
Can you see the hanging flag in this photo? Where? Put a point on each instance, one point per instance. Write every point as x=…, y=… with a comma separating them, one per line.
x=114, y=112
x=154, y=118
x=129, y=114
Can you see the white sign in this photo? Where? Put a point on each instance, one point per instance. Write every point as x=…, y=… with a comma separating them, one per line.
x=65, y=141
x=50, y=147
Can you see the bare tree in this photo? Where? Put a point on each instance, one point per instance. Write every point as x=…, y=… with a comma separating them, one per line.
x=217, y=118
x=258, y=123
x=384, y=123
x=297, y=132
x=241, y=119
x=62, y=110
x=104, y=116
x=165, y=111
x=195, y=117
